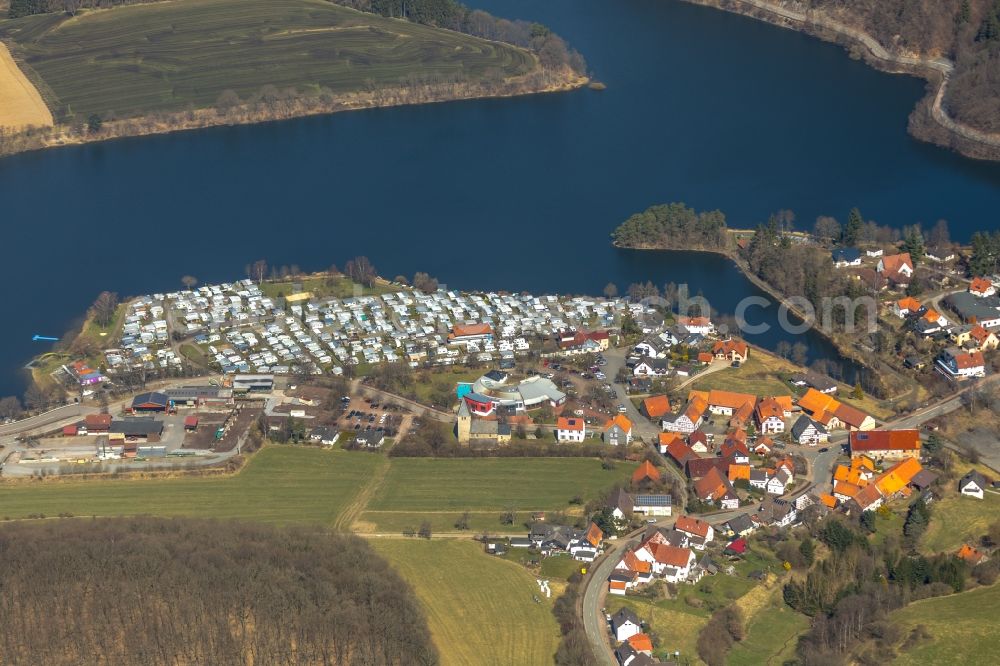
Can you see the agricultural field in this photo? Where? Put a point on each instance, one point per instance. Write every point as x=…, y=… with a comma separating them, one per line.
x=441, y=490
x=20, y=103
x=480, y=609
x=174, y=55
x=956, y=519
x=278, y=485
x=962, y=628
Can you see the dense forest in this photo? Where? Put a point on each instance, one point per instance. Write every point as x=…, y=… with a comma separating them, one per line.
x=673, y=226
x=550, y=48
x=964, y=31
x=159, y=591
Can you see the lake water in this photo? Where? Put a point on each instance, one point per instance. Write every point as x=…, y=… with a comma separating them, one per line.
x=712, y=109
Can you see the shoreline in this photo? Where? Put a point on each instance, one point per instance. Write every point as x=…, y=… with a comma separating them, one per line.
x=928, y=122
x=846, y=353
x=538, y=82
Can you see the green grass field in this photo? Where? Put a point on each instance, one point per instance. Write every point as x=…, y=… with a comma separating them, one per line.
x=278, y=485
x=479, y=608
x=418, y=489
x=755, y=376
x=962, y=628
x=166, y=56
x=678, y=630
x=772, y=634
x=956, y=519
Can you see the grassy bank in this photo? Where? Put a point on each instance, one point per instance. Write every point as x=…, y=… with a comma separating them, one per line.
x=174, y=55
x=962, y=628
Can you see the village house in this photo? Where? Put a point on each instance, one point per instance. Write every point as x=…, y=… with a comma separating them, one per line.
x=715, y=488
x=652, y=505
x=770, y=416
x=971, y=555
x=906, y=307
x=982, y=339
x=625, y=624
x=656, y=407
x=885, y=444
x=731, y=350
x=698, y=441
x=776, y=484
x=776, y=512
x=940, y=254
x=646, y=472
x=671, y=563
x=725, y=403
x=699, y=531
x=618, y=431
x=973, y=484
x=958, y=365
x=897, y=268
x=689, y=419
x=981, y=287
x=844, y=257
x=740, y=526
x=816, y=381
x=697, y=325
x=620, y=503
x=677, y=450
x=651, y=367
x=570, y=429
x=805, y=431
x=831, y=413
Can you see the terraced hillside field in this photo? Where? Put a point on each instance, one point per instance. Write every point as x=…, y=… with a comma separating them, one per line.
x=172, y=55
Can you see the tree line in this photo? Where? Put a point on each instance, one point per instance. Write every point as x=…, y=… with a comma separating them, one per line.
x=673, y=226
x=551, y=49
x=167, y=591
x=19, y=8
x=966, y=31
x=850, y=593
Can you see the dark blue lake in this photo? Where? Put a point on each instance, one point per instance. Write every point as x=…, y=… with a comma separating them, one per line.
x=702, y=106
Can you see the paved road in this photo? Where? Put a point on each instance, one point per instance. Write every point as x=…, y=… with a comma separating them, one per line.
x=48, y=418
x=594, y=624
x=642, y=428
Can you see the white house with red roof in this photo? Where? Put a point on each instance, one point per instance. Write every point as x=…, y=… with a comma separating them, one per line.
x=570, y=429
x=955, y=364
x=695, y=527
x=981, y=287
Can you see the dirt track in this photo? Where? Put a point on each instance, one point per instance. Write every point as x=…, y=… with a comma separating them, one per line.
x=20, y=103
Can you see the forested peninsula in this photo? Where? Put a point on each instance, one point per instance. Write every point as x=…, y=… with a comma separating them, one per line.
x=138, y=67
x=171, y=591
x=954, y=44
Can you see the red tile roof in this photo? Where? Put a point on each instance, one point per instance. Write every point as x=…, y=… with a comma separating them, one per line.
x=885, y=440
x=645, y=471
x=564, y=423
x=656, y=406
x=692, y=526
